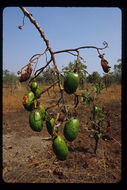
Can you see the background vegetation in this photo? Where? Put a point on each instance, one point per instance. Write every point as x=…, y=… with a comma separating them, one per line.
x=47, y=76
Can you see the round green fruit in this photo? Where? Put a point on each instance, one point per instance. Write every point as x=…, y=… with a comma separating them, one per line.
x=35, y=120
x=34, y=85
x=71, y=82
x=36, y=89
x=28, y=102
x=71, y=129
x=60, y=148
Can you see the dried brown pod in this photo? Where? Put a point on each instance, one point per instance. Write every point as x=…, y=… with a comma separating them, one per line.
x=25, y=74
x=104, y=63
x=20, y=27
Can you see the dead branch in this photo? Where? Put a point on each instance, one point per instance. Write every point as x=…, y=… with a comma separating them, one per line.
x=83, y=47
x=50, y=87
x=38, y=56
x=76, y=56
x=40, y=71
x=42, y=35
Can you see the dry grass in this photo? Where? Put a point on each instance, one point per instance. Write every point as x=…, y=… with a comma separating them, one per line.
x=111, y=95
x=13, y=102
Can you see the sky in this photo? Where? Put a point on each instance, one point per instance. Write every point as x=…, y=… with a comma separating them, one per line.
x=64, y=27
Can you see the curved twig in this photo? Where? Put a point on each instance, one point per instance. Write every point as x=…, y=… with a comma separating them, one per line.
x=40, y=70
x=38, y=56
x=49, y=87
x=83, y=47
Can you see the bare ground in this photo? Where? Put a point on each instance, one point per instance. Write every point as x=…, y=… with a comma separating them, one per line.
x=28, y=156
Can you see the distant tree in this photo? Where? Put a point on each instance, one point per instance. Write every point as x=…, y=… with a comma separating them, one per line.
x=48, y=75
x=9, y=77
x=118, y=68
x=117, y=71
x=5, y=72
x=40, y=79
x=115, y=76
x=107, y=79
x=94, y=77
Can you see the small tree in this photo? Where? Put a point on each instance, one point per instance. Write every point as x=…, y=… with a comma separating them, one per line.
x=107, y=79
x=117, y=71
x=9, y=77
x=94, y=77
x=48, y=75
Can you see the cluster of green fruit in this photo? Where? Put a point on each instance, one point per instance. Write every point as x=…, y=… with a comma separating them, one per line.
x=71, y=127
x=38, y=115
x=37, y=111
x=59, y=145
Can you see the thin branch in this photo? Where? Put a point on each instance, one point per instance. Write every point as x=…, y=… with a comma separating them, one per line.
x=49, y=87
x=38, y=55
x=23, y=20
x=76, y=56
x=77, y=61
x=83, y=47
x=37, y=26
x=42, y=35
x=40, y=70
x=58, y=102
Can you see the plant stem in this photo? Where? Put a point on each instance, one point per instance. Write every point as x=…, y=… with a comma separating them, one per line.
x=96, y=145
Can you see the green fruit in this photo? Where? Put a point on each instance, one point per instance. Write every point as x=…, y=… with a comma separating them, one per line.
x=42, y=111
x=36, y=89
x=71, y=82
x=35, y=120
x=34, y=85
x=28, y=100
x=60, y=148
x=38, y=92
x=71, y=129
x=49, y=124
